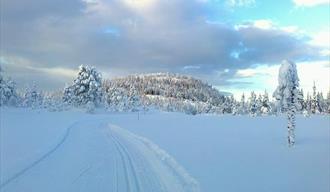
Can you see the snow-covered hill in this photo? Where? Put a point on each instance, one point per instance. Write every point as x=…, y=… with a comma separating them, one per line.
x=169, y=86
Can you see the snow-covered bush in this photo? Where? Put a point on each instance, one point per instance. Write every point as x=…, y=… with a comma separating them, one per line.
x=287, y=95
x=90, y=107
x=87, y=87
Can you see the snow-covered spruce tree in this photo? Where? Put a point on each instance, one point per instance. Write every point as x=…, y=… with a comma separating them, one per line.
x=314, y=102
x=122, y=99
x=226, y=106
x=328, y=103
x=32, y=97
x=253, y=104
x=302, y=100
x=8, y=95
x=235, y=107
x=307, y=105
x=134, y=101
x=116, y=99
x=286, y=95
x=87, y=87
x=259, y=104
x=242, y=106
x=53, y=101
x=48, y=102
x=321, y=103
x=266, y=105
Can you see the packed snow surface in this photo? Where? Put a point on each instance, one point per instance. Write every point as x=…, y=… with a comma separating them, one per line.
x=157, y=151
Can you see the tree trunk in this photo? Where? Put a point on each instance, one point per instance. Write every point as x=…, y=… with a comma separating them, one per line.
x=291, y=125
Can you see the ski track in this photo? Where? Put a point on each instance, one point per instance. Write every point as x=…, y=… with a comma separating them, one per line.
x=151, y=181
x=39, y=160
x=82, y=173
x=128, y=166
x=132, y=161
x=184, y=182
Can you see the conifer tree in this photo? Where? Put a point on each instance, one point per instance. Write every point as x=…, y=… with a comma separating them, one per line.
x=87, y=87
x=286, y=95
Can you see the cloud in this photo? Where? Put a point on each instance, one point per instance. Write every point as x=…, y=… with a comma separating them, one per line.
x=263, y=24
x=264, y=77
x=262, y=41
x=191, y=67
x=24, y=72
x=322, y=39
x=121, y=37
x=310, y=3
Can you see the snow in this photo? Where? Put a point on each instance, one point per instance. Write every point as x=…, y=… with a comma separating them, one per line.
x=287, y=92
x=159, y=151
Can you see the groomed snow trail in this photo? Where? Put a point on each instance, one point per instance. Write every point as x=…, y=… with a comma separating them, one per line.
x=159, y=170
x=96, y=156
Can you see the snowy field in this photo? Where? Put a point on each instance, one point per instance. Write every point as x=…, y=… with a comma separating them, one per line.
x=158, y=151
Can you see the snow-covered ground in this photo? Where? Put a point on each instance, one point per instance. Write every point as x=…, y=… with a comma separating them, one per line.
x=158, y=151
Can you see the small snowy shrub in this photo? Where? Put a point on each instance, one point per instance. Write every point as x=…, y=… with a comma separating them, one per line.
x=90, y=107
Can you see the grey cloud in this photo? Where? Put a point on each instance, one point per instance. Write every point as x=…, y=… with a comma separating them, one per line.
x=273, y=45
x=167, y=36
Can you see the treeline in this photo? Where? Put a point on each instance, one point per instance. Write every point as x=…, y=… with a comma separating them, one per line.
x=162, y=91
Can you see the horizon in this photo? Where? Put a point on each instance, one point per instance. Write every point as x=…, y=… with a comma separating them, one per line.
x=234, y=45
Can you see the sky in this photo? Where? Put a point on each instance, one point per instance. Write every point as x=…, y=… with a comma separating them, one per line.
x=235, y=45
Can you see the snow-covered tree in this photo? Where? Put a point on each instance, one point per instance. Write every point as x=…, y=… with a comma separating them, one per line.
x=235, y=107
x=266, y=105
x=259, y=104
x=116, y=99
x=253, y=104
x=242, y=105
x=8, y=94
x=322, y=103
x=315, y=106
x=308, y=105
x=226, y=107
x=301, y=100
x=32, y=97
x=134, y=101
x=328, y=103
x=286, y=95
x=53, y=101
x=86, y=87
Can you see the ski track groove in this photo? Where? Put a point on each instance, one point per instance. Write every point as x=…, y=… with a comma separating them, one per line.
x=39, y=160
x=116, y=175
x=145, y=168
x=82, y=173
x=133, y=167
x=127, y=161
x=127, y=180
x=188, y=183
